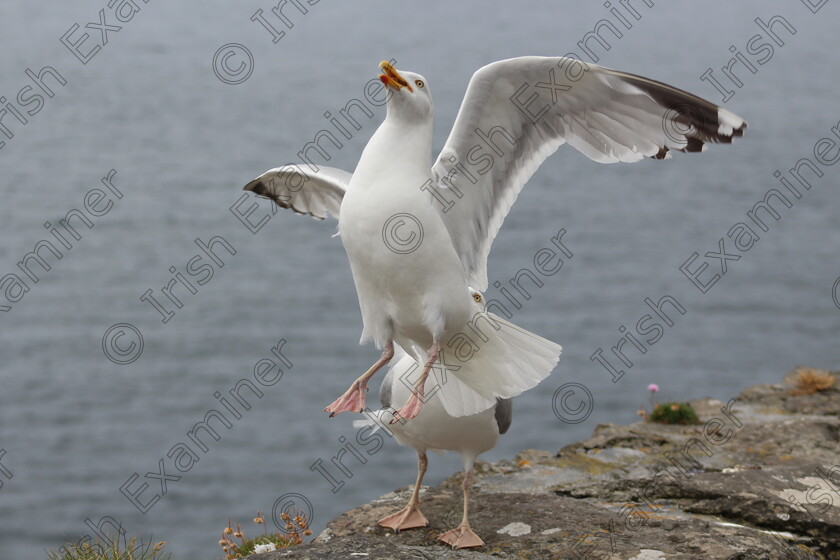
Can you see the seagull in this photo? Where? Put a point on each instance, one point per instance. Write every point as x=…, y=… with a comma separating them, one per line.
x=418, y=234
x=433, y=429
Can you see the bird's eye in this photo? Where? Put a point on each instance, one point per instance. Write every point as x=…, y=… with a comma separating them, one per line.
x=477, y=298
x=420, y=83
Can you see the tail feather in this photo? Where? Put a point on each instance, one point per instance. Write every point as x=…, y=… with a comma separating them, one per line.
x=510, y=361
x=376, y=419
x=376, y=422
x=456, y=395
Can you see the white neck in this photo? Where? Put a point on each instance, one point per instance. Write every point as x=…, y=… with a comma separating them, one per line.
x=397, y=146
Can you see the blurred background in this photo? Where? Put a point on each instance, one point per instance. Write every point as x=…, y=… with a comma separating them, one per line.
x=76, y=426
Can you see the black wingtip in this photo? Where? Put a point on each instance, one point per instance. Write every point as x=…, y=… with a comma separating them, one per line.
x=259, y=188
x=694, y=145
x=695, y=121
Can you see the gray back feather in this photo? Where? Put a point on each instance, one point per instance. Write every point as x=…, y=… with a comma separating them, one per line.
x=385, y=391
x=504, y=414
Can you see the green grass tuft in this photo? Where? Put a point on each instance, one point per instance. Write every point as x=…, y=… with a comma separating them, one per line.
x=674, y=413
x=235, y=544
x=111, y=550
x=246, y=547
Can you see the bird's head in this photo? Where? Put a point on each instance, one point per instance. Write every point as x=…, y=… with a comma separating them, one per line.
x=410, y=96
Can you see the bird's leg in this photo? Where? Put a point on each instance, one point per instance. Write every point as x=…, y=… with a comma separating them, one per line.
x=353, y=400
x=410, y=516
x=463, y=536
x=414, y=403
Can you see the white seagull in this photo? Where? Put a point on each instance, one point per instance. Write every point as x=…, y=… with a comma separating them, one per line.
x=433, y=429
x=418, y=235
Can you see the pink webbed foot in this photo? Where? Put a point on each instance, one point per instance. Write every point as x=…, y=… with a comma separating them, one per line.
x=409, y=410
x=461, y=537
x=410, y=517
x=351, y=401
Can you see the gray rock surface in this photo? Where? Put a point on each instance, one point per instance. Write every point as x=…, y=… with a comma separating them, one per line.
x=759, y=478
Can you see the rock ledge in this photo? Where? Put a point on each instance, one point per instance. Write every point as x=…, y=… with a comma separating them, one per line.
x=758, y=479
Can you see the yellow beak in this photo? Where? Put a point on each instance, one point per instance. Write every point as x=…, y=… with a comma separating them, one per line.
x=391, y=78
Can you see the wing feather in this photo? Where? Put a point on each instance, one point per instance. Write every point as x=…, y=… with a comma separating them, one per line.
x=317, y=194
x=607, y=115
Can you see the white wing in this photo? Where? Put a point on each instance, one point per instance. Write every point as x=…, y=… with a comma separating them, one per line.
x=517, y=112
x=316, y=194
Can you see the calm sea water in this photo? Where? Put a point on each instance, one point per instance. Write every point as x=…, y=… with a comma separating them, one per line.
x=75, y=427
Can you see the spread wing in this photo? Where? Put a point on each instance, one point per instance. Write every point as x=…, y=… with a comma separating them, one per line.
x=517, y=112
x=315, y=194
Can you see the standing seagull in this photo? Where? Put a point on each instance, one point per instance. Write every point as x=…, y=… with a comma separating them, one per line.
x=418, y=237
x=433, y=429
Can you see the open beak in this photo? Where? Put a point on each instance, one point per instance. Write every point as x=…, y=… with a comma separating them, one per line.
x=391, y=78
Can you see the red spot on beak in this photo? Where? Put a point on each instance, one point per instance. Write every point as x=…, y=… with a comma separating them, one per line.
x=383, y=78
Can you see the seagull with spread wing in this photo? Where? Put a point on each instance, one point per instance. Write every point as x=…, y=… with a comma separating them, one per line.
x=421, y=289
